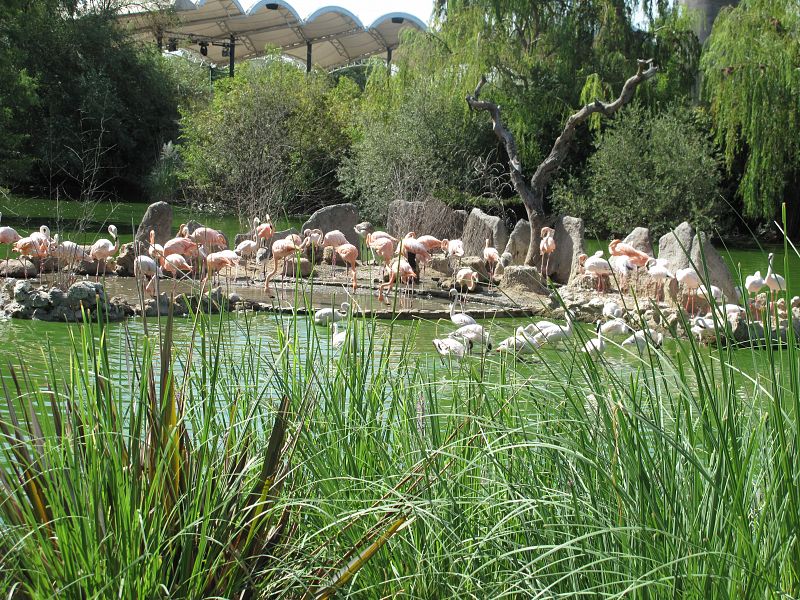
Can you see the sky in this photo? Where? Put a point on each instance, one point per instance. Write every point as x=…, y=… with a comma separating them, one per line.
x=366, y=10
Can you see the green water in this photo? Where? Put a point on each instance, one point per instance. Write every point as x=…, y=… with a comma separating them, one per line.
x=85, y=222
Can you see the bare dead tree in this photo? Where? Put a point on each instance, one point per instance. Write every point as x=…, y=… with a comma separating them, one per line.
x=533, y=194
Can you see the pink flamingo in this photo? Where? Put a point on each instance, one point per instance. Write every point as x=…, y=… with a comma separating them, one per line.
x=8, y=237
x=383, y=247
x=467, y=278
x=431, y=243
x=247, y=248
x=546, y=247
x=67, y=252
x=265, y=230
x=349, y=255
x=399, y=269
x=155, y=250
x=146, y=268
x=492, y=258
x=176, y=265
x=208, y=238
x=216, y=261
x=32, y=247
x=334, y=239
x=636, y=257
x=280, y=250
x=103, y=249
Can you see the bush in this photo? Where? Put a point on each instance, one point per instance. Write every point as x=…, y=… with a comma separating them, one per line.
x=269, y=140
x=651, y=170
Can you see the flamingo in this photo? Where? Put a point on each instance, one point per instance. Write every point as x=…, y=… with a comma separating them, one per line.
x=338, y=338
x=282, y=249
x=546, y=247
x=554, y=335
x=383, y=247
x=325, y=316
x=659, y=272
x=622, y=266
x=431, y=243
x=8, y=237
x=411, y=245
x=453, y=249
x=33, y=246
x=466, y=278
x=636, y=257
x=642, y=338
x=596, y=346
x=334, y=239
x=519, y=343
x=689, y=278
x=398, y=269
x=615, y=327
x=474, y=333
x=776, y=283
x=709, y=293
x=492, y=258
x=248, y=248
x=349, y=255
x=612, y=310
x=156, y=251
x=753, y=284
x=461, y=318
x=208, y=238
x=597, y=267
x=217, y=261
x=447, y=347
x=315, y=239
x=103, y=249
x=704, y=329
x=67, y=252
x=146, y=268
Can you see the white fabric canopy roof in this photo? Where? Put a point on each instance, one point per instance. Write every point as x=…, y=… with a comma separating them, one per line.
x=336, y=35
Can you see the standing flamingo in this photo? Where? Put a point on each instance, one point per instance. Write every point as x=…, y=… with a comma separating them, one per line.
x=67, y=252
x=636, y=257
x=103, y=249
x=689, y=278
x=383, y=247
x=32, y=247
x=492, y=258
x=597, y=267
x=216, y=261
x=453, y=249
x=753, y=284
x=776, y=283
x=546, y=247
x=8, y=236
x=399, y=269
x=156, y=251
x=175, y=265
x=466, y=278
x=657, y=268
x=282, y=249
x=146, y=268
x=248, y=248
x=334, y=239
x=349, y=255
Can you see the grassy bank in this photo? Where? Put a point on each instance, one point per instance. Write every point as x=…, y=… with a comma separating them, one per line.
x=292, y=470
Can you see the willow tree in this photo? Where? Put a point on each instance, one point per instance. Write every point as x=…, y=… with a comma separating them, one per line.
x=533, y=193
x=751, y=78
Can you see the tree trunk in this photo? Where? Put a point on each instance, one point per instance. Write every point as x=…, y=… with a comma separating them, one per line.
x=533, y=195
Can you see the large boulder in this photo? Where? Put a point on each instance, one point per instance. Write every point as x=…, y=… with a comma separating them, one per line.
x=158, y=218
x=563, y=263
x=676, y=246
x=18, y=268
x=125, y=259
x=639, y=238
x=706, y=258
x=683, y=247
x=343, y=217
x=523, y=278
x=306, y=268
x=481, y=227
x=431, y=217
x=518, y=242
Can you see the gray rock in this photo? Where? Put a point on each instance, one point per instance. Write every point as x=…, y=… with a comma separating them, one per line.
x=706, y=258
x=85, y=292
x=18, y=268
x=430, y=217
x=306, y=268
x=518, y=242
x=676, y=246
x=56, y=297
x=343, y=217
x=157, y=217
x=481, y=226
x=125, y=259
x=563, y=264
x=639, y=238
x=22, y=291
x=39, y=300
x=521, y=277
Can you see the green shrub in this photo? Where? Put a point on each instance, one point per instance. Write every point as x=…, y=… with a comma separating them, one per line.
x=650, y=169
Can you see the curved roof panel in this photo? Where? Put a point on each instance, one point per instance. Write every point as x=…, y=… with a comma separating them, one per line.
x=336, y=36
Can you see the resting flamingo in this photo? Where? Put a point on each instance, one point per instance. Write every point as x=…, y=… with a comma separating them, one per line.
x=282, y=249
x=67, y=253
x=636, y=257
x=8, y=236
x=104, y=249
x=659, y=272
x=546, y=247
x=349, y=255
x=690, y=280
x=466, y=278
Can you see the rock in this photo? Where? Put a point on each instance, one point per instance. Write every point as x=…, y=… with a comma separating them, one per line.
x=676, y=246
x=191, y=225
x=240, y=237
x=157, y=217
x=327, y=255
x=563, y=263
x=521, y=277
x=518, y=242
x=718, y=272
x=639, y=238
x=343, y=217
x=481, y=226
x=430, y=217
x=18, y=268
x=85, y=293
x=476, y=263
x=125, y=258
x=306, y=268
